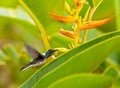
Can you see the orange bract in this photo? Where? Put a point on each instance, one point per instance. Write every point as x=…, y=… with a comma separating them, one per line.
x=68, y=19
x=93, y=24
x=78, y=2
x=67, y=33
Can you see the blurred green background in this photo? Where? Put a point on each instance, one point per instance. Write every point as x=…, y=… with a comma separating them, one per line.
x=17, y=28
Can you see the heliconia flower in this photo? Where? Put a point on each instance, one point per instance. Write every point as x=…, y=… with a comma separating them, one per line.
x=68, y=19
x=67, y=33
x=93, y=24
x=79, y=5
x=78, y=2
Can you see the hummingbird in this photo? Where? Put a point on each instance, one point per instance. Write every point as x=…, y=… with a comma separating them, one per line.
x=38, y=58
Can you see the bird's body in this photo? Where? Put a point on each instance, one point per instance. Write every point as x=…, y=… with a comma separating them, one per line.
x=38, y=58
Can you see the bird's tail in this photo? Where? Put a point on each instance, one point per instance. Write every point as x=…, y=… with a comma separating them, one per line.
x=26, y=66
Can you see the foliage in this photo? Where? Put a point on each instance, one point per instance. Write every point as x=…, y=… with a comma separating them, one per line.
x=85, y=32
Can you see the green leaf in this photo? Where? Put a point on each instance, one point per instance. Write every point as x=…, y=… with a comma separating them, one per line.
x=8, y=3
x=117, y=4
x=57, y=41
x=2, y=55
x=10, y=50
x=84, y=58
x=91, y=2
x=104, y=11
x=41, y=9
x=71, y=3
x=19, y=23
x=18, y=13
x=111, y=71
x=95, y=2
x=83, y=81
x=76, y=61
x=116, y=83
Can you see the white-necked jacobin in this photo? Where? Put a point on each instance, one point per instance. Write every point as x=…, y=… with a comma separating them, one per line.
x=38, y=58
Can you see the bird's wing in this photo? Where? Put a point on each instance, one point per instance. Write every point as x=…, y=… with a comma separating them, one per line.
x=34, y=53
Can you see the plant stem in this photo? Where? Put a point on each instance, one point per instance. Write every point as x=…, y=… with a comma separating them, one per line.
x=38, y=24
x=76, y=40
x=85, y=36
x=76, y=32
x=86, y=31
x=89, y=19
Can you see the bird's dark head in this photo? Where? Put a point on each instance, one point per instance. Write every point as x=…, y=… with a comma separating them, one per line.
x=50, y=52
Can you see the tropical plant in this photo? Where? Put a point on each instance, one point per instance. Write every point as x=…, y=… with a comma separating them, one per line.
x=85, y=32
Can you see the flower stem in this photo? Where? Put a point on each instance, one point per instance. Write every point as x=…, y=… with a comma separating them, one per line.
x=76, y=40
x=85, y=36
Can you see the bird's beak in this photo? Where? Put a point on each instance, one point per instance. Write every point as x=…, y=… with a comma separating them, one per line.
x=55, y=50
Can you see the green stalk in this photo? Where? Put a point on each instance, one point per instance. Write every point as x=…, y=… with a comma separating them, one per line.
x=38, y=24
x=85, y=36
x=84, y=20
x=89, y=15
